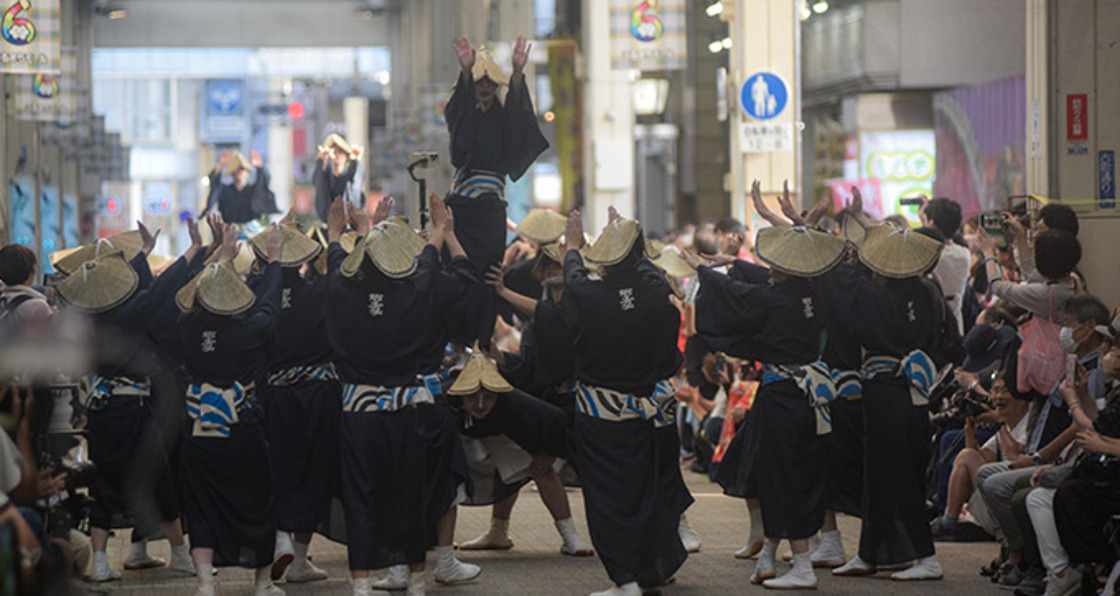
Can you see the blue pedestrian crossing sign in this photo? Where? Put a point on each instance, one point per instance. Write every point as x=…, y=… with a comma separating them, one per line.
x=764, y=95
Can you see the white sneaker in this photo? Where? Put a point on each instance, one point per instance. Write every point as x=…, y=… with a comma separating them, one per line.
x=573, y=545
x=800, y=577
x=1060, y=586
x=630, y=589
x=181, y=560
x=305, y=571
x=830, y=552
x=102, y=572
x=854, y=568
x=282, y=556
x=455, y=572
x=925, y=569
x=396, y=580
x=689, y=538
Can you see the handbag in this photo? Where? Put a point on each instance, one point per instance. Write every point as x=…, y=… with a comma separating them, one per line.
x=1097, y=468
x=1042, y=360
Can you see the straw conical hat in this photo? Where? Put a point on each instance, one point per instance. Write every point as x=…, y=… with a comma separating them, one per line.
x=157, y=262
x=236, y=162
x=349, y=240
x=616, y=241
x=799, y=251
x=100, y=284
x=218, y=289
x=853, y=230
x=298, y=248
x=337, y=140
x=548, y=253
x=391, y=245
x=479, y=373
x=898, y=253
x=484, y=66
x=127, y=242
x=245, y=260
x=669, y=260
x=542, y=225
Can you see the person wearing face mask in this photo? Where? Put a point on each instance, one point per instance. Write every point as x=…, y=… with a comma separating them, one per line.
x=1052, y=430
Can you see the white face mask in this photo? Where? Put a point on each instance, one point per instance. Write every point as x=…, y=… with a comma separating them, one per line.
x=1069, y=344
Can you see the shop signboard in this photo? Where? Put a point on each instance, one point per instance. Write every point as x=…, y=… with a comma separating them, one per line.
x=224, y=114
x=648, y=35
x=1106, y=177
x=50, y=97
x=29, y=38
x=1077, y=123
x=902, y=161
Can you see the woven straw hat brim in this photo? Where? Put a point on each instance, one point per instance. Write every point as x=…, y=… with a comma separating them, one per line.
x=100, y=284
x=479, y=373
x=898, y=253
x=336, y=140
x=542, y=226
x=218, y=289
x=395, y=250
x=671, y=262
x=348, y=241
x=128, y=242
x=245, y=259
x=615, y=242
x=353, y=261
x=237, y=162
x=298, y=248
x=484, y=66
x=548, y=253
x=799, y=251
x=853, y=231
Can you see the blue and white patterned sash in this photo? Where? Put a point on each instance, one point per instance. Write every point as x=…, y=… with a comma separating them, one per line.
x=607, y=404
x=214, y=409
x=357, y=398
x=298, y=374
x=917, y=367
x=478, y=183
x=815, y=379
x=95, y=390
x=848, y=383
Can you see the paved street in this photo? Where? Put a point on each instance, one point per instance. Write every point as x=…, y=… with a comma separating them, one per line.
x=535, y=567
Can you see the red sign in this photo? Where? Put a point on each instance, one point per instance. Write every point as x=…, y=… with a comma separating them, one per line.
x=1077, y=117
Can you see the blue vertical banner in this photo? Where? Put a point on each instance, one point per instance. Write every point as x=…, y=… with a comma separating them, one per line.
x=1106, y=177
x=49, y=212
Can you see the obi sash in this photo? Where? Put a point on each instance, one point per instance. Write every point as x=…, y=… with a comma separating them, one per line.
x=815, y=379
x=298, y=374
x=917, y=367
x=358, y=398
x=214, y=409
x=95, y=390
x=479, y=182
x=615, y=406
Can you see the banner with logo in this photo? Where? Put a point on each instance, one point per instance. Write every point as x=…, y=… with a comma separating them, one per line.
x=50, y=97
x=29, y=39
x=648, y=34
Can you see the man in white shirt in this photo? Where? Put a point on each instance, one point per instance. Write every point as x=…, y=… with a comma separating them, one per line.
x=951, y=270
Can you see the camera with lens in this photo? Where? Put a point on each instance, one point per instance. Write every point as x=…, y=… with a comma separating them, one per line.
x=58, y=448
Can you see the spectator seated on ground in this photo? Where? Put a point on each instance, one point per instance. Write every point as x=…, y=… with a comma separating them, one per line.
x=1007, y=443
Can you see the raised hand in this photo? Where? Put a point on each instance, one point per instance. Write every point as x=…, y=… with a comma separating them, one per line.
x=520, y=54
x=787, y=206
x=359, y=221
x=147, y=239
x=816, y=213
x=214, y=222
x=255, y=159
x=573, y=233
x=193, y=234
x=465, y=53
x=495, y=277
x=336, y=219
x=857, y=201
x=612, y=214
x=438, y=211
x=382, y=211
x=763, y=211
x=274, y=243
x=289, y=217
x=223, y=158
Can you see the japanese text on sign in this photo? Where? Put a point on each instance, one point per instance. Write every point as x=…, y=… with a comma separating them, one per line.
x=759, y=137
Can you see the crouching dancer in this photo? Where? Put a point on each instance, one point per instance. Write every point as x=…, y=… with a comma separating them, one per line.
x=511, y=438
x=402, y=463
